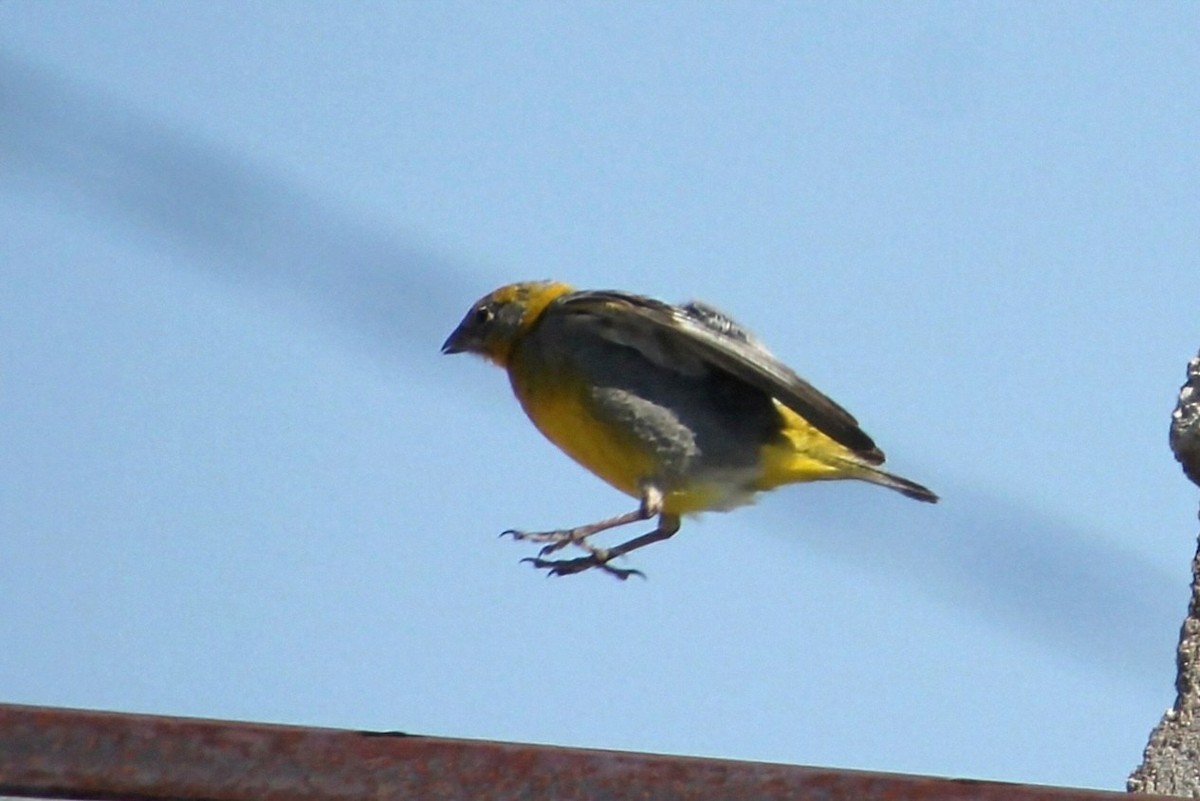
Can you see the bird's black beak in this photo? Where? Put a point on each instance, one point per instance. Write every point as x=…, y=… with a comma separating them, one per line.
x=459, y=341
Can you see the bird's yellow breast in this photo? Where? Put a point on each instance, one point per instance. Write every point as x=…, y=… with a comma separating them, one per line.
x=558, y=405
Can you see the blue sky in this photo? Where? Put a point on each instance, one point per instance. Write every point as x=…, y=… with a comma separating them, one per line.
x=237, y=479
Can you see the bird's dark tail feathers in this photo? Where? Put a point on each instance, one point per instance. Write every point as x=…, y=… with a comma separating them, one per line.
x=902, y=485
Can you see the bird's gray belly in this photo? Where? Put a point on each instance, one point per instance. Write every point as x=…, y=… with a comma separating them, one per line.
x=694, y=426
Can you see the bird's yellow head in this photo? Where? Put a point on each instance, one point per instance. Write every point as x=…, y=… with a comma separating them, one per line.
x=498, y=319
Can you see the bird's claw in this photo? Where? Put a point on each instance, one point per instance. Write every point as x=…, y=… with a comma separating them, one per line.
x=552, y=537
x=554, y=546
x=554, y=540
x=567, y=567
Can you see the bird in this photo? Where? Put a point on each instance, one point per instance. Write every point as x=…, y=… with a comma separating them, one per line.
x=677, y=406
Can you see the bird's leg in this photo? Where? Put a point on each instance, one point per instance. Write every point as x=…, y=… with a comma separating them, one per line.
x=601, y=557
x=556, y=540
x=651, y=505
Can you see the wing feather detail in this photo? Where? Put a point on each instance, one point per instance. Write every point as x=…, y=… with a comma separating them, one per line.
x=697, y=337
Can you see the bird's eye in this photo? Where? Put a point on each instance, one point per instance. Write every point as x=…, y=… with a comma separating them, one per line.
x=483, y=315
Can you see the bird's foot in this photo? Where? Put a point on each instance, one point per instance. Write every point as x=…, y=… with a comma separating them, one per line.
x=554, y=540
x=565, y=567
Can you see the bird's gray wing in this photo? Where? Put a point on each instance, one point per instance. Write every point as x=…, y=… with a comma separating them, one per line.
x=697, y=337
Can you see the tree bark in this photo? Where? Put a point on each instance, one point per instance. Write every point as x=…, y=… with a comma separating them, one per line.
x=1171, y=762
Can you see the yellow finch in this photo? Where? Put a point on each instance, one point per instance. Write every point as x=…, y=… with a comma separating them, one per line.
x=677, y=406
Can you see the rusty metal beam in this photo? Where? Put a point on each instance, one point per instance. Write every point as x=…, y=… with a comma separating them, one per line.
x=63, y=753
